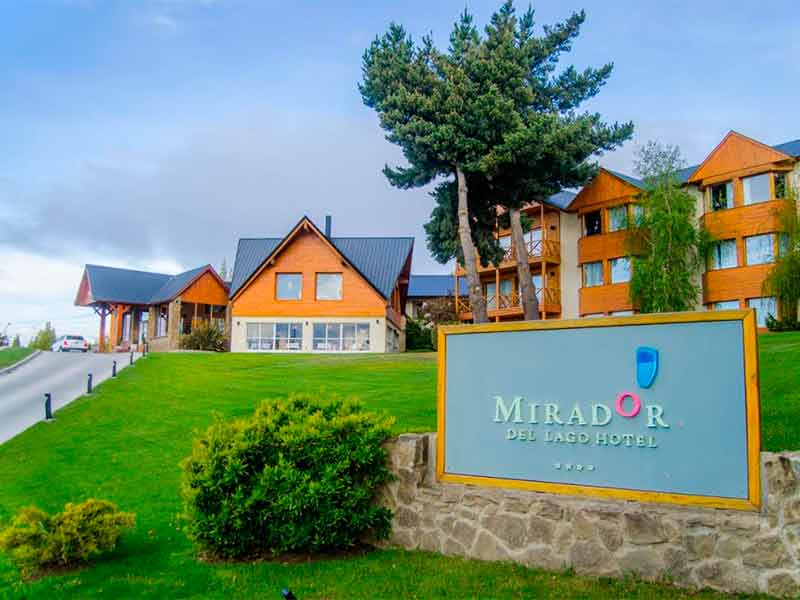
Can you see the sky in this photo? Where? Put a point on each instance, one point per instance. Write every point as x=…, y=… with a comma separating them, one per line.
x=152, y=134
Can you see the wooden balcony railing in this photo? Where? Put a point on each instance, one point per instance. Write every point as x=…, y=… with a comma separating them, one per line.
x=536, y=249
x=512, y=303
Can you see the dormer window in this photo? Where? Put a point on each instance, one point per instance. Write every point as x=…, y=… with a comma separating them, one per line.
x=722, y=196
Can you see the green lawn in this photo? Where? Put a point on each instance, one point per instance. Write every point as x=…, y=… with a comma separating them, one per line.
x=125, y=442
x=9, y=356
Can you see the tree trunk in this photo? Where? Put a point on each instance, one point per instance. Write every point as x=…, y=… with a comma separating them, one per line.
x=476, y=300
x=530, y=305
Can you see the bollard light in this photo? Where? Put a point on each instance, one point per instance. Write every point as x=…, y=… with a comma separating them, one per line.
x=89, y=383
x=48, y=407
x=131, y=356
x=287, y=594
x=114, y=369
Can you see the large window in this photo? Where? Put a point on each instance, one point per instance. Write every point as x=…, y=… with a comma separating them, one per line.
x=506, y=289
x=764, y=307
x=593, y=274
x=341, y=337
x=617, y=218
x=620, y=270
x=756, y=188
x=329, y=286
x=723, y=254
x=727, y=305
x=760, y=249
x=290, y=286
x=592, y=223
x=505, y=242
x=275, y=336
x=163, y=318
x=722, y=196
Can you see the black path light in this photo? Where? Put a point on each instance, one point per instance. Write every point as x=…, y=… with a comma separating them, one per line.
x=89, y=383
x=114, y=369
x=131, y=356
x=287, y=594
x=48, y=407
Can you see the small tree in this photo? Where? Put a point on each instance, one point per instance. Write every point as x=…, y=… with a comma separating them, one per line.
x=783, y=280
x=45, y=338
x=666, y=246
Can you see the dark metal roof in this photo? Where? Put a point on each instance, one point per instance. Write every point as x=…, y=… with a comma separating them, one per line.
x=127, y=286
x=379, y=260
x=683, y=176
x=434, y=286
x=175, y=285
x=791, y=148
x=561, y=199
x=110, y=284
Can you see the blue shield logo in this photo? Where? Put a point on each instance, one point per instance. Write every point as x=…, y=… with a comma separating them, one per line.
x=646, y=366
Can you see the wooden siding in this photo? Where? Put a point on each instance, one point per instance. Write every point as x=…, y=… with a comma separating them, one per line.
x=736, y=153
x=206, y=289
x=605, y=298
x=308, y=255
x=601, y=247
x=743, y=221
x=605, y=188
x=738, y=283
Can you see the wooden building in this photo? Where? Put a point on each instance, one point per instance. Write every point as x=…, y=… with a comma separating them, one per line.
x=140, y=306
x=577, y=247
x=312, y=292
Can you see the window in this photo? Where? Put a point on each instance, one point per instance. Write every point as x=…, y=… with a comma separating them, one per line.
x=638, y=214
x=537, y=285
x=290, y=286
x=620, y=270
x=723, y=255
x=506, y=289
x=593, y=316
x=341, y=337
x=505, y=242
x=764, y=307
x=592, y=223
x=126, y=327
x=727, y=305
x=275, y=336
x=329, y=286
x=161, y=326
x=621, y=313
x=722, y=196
x=780, y=186
x=760, y=249
x=593, y=274
x=535, y=248
x=617, y=218
x=756, y=188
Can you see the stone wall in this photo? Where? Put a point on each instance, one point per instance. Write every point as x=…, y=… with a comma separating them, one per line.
x=734, y=551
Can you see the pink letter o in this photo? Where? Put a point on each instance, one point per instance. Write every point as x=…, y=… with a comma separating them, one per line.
x=637, y=404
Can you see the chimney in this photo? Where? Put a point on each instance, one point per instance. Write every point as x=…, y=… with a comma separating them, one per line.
x=327, y=226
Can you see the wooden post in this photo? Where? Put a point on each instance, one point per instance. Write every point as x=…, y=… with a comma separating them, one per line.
x=497, y=292
x=194, y=321
x=456, y=296
x=100, y=338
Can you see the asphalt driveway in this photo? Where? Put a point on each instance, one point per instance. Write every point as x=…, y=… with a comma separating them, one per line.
x=61, y=374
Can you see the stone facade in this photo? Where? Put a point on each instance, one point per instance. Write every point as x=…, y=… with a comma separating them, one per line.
x=732, y=551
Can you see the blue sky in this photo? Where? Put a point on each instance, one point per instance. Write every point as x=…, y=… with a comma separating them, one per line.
x=154, y=133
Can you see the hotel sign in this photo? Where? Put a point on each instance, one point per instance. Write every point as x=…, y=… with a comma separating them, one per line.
x=660, y=408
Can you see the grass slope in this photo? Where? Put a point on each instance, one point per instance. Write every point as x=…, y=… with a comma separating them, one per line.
x=126, y=441
x=9, y=356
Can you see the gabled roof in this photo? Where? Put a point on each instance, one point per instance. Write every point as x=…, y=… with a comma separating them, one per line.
x=561, y=199
x=434, y=286
x=128, y=286
x=379, y=260
x=728, y=154
x=627, y=178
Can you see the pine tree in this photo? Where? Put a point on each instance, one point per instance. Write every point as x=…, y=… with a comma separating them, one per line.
x=223, y=270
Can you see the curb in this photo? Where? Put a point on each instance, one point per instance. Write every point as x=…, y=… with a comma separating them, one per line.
x=18, y=364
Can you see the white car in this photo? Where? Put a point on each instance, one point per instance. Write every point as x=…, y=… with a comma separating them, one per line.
x=70, y=343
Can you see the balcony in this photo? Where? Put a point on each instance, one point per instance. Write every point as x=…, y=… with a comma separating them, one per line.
x=538, y=250
x=510, y=305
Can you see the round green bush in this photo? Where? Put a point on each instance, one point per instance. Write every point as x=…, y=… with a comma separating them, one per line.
x=300, y=475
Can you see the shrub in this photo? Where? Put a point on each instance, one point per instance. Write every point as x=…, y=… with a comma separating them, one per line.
x=787, y=324
x=36, y=540
x=205, y=337
x=300, y=475
x=418, y=336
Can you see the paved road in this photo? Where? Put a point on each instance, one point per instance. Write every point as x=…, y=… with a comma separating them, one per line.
x=61, y=374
